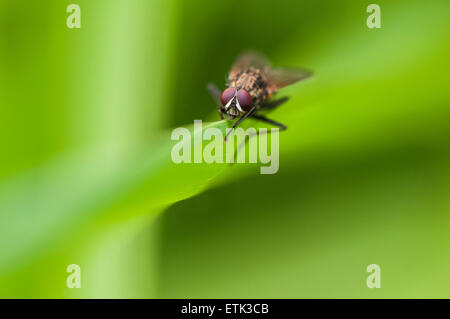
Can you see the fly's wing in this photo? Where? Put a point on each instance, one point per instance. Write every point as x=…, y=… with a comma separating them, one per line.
x=276, y=78
x=249, y=59
x=279, y=78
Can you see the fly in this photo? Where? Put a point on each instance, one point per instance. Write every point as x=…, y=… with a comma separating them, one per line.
x=251, y=85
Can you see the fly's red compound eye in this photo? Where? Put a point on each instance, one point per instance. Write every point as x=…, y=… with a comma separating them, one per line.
x=227, y=95
x=244, y=99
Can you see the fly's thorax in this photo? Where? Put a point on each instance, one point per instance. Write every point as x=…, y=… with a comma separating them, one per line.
x=251, y=80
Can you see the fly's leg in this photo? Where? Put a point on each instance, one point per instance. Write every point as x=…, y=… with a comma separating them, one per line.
x=215, y=93
x=273, y=104
x=243, y=117
x=262, y=118
x=268, y=106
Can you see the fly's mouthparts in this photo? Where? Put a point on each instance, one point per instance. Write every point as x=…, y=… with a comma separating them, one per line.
x=236, y=105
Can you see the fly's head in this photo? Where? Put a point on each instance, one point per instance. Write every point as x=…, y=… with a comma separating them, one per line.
x=235, y=102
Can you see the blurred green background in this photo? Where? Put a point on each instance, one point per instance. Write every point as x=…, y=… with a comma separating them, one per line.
x=86, y=176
